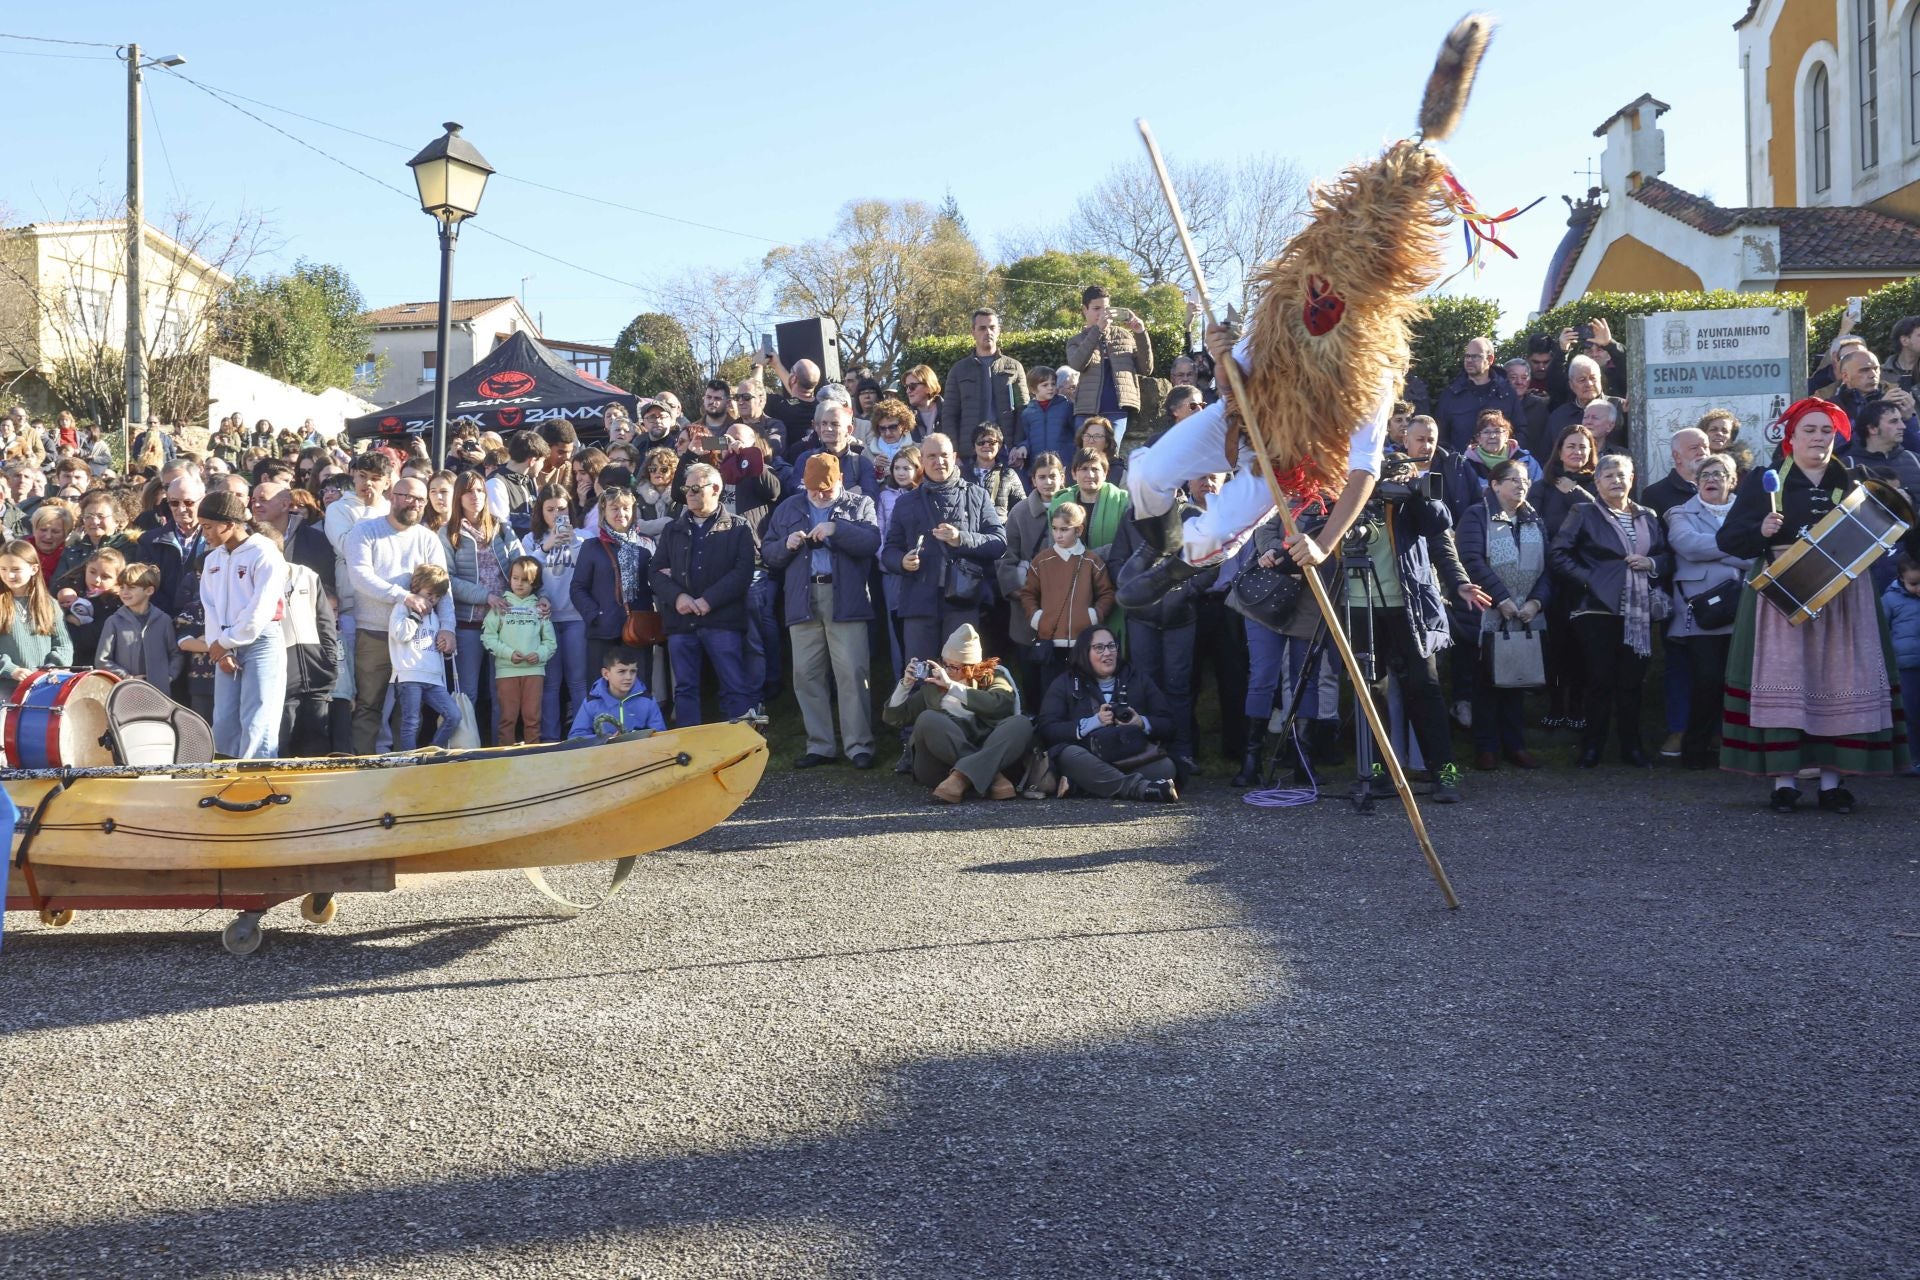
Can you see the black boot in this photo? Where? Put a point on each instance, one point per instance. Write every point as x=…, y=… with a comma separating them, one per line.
x=1250, y=759
x=1156, y=567
x=1323, y=742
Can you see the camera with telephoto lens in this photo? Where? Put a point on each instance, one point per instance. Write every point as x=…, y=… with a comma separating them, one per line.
x=1406, y=485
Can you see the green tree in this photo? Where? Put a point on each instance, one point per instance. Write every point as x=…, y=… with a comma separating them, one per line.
x=1043, y=291
x=652, y=354
x=304, y=327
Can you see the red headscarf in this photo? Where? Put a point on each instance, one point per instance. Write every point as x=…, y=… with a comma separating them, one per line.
x=1842, y=424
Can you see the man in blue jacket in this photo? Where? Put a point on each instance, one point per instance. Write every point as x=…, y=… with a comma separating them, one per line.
x=701, y=571
x=1480, y=386
x=824, y=540
x=943, y=539
x=618, y=701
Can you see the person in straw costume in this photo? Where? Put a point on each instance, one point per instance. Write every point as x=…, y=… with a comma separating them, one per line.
x=1325, y=355
x=1824, y=694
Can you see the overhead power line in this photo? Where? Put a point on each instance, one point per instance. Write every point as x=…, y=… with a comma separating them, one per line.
x=92, y=44
x=227, y=97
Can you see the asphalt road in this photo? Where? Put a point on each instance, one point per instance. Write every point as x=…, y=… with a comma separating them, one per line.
x=849, y=1034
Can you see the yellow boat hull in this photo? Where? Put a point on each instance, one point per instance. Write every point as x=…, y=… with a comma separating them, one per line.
x=455, y=811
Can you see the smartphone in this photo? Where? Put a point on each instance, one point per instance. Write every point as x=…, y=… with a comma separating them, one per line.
x=713, y=444
x=1121, y=315
x=1585, y=334
x=766, y=344
x=1854, y=307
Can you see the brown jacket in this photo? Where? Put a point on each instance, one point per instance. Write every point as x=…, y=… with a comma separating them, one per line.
x=1070, y=593
x=1132, y=356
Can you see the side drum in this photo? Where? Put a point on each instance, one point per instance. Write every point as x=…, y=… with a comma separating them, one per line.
x=56, y=719
x=1840, y=547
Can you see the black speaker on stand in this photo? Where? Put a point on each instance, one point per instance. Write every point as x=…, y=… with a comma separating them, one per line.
x=817, y=340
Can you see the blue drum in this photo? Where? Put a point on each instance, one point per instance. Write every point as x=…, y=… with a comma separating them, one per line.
x=57, y=719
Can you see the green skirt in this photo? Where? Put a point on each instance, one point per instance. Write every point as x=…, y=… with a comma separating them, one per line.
x=1770, y=752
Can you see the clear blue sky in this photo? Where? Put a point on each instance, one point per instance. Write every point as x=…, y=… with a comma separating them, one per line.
x=746, y=117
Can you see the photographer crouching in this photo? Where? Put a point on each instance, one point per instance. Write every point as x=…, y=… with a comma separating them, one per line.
x=1105, y=726
x=967, y=726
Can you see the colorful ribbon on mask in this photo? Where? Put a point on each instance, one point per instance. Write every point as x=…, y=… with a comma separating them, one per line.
x=1479, y=229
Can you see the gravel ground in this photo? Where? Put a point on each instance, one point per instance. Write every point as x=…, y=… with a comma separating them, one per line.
x=849, y=1034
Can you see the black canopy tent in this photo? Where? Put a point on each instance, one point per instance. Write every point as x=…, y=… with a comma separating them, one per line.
x=522, y=384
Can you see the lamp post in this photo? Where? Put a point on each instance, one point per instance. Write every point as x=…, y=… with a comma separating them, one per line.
x=136, y=343
x=451, y=175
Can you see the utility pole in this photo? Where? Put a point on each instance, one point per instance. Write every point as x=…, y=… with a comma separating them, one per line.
x=136, y=235
x=136, y=355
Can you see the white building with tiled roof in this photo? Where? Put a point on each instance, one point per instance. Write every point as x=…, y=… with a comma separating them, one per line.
x=406, y=336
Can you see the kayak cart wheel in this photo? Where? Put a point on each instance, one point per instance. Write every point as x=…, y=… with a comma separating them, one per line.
x=56, y=919
x=318, y=908
x=244, y=936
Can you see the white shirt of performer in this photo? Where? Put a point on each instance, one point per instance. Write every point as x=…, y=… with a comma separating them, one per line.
x=1197, y=446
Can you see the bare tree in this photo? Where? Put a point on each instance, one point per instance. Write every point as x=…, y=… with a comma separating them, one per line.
x=1238, y=215
x=721, y=310
x=1267, y=206
x=890, y=272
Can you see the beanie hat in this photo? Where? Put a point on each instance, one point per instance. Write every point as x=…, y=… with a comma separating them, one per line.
x=822, y=468
x=963, y=646
x=228, y=508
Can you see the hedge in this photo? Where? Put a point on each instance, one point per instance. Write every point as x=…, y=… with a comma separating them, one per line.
x=1032, y=347
x=1444, y=332
x=1618, y=308
x=1452, y=321
x=1879, y=312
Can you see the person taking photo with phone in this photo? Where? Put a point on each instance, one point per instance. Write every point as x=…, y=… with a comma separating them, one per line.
x=1111, y=354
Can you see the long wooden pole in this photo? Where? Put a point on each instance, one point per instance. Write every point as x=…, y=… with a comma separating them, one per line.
x=1362, y=691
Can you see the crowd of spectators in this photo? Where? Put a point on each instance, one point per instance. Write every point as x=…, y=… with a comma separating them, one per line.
x=943, y=553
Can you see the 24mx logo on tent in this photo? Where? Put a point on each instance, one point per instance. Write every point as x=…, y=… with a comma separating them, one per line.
x=506, y=384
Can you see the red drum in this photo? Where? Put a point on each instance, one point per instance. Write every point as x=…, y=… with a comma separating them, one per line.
x=56, y=719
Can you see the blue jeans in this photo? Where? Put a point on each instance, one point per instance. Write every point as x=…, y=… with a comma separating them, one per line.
x=568, y=666
x=407, y=696
x=247, y=707
x=762, y=655
x=1677, y=683
x=470, y=666
x=689, y=653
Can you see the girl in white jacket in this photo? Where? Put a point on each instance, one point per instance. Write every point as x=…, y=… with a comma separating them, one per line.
x=243, y=589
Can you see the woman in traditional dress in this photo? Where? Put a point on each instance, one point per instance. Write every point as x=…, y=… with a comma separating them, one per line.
x=1821, y=694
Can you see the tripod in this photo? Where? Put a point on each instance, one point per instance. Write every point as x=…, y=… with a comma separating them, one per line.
x=1362, y=582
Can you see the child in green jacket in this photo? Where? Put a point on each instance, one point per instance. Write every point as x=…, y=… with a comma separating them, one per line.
x=520, y=641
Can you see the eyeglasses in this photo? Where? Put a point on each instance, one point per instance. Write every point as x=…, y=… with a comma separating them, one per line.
x=742, y=399
x=916, y=386
x=407, y=499
x=180, y=504
x=1103, y=648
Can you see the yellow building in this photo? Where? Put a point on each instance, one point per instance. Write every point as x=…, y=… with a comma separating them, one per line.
x=1832, y=111
x=63, y=298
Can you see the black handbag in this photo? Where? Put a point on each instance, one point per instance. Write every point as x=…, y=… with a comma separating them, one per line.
x=964, y=583
x=1268, y=596
x=1717, y=606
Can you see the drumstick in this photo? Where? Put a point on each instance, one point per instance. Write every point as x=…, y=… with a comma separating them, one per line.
x=1770, y=481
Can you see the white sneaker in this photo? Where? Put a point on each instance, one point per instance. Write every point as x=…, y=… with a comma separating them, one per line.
x=1463, y=712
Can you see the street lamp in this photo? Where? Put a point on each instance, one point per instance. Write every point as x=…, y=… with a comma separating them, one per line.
x=451, y=175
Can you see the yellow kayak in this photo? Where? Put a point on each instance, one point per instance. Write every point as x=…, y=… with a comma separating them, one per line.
x=534, y=806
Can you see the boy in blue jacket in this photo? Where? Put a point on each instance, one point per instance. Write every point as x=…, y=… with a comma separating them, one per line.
x=618, y=698
x=1902, y=603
